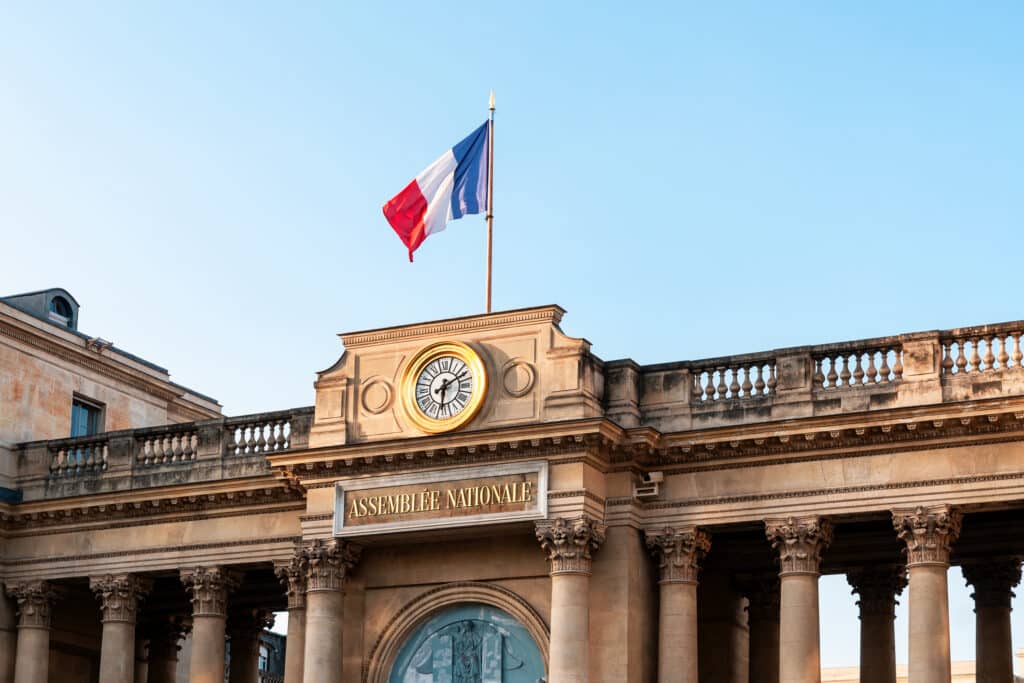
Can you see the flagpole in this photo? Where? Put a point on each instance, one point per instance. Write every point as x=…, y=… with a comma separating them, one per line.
x=490, y=197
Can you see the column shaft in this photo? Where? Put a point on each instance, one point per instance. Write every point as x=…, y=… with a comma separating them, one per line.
x=294, y=655
x=117, y=652
x=164, y=636
x=928, y=532
x=32, y=656
x=207, y=665
x=877, y=649
x=993, y=581
x=764, y=650
x=8, y=638
x=799, y=543
x=677, y=633
x=329, y=563
x=141, y=660
x=245, y=628
x=163, y=670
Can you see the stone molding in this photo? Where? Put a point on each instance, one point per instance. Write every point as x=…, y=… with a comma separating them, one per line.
x=763, y=596
x=993, y=581
x=208, y=589
x=799, y=542
x=35, y=601
x=119, y=595
x=569, y=544
x=409, y=617
x=328, y=563
x=929, y=532
x=293, y=576
x=877, y=588
x=679, y=552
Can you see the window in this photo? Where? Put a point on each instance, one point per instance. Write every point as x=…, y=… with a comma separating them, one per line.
x=264, y=657
x=60, y=310
x=86, y=418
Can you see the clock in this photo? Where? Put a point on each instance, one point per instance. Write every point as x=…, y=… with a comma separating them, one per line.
x=443, y=387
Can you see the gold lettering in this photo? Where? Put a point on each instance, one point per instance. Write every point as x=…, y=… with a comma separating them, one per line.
x=451, y=499
x=527, y=496
x=462, y=498
x=434, y=502
x=480, y=494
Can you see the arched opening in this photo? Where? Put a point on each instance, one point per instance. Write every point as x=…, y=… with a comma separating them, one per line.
x=469, y=643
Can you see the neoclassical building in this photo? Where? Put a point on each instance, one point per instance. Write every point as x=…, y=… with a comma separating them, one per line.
x=483, y=500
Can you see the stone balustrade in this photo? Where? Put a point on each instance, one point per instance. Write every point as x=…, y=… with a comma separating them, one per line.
x=81, y=456
x=858, y=365
x=167, y=448
x=263, y=435
x=985, y=349
x=730, y=379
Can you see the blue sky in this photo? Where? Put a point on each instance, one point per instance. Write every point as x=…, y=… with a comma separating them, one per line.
x=687, y=179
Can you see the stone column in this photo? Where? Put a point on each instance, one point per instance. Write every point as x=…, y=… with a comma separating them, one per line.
x=799, y=542
x=928, y=532
x=8, y=637
x=569, y=545
x=245, y=627
x=877, y=589
x=141, y=659
x=679, y=556
x=35, y=600
x=119, y=597
x=208, y=589
x=293, y=576
x=762, y=591
x=993, y=583
x=329, y=563
x=164, y=638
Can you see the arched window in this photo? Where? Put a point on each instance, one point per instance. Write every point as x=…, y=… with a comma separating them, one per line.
x=60, y=306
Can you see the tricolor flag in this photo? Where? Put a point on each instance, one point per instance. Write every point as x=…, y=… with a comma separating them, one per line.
x=450, y=188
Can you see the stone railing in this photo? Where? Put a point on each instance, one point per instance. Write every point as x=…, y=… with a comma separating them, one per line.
x=193, y=451
x=985, y=349
x=857, y=364
x=733, y=378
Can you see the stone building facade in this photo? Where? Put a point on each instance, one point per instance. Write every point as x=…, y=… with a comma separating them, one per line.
x=483, y=499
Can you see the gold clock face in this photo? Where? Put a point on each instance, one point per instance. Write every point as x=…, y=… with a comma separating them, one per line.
x=443, y=387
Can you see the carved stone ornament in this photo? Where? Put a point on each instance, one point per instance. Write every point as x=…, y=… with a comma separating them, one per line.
x=293, y=576
x=799, y=542
x=328, y=563
x=929, y=532
x=35, y=600
x=208, y=588
x=570, y=543
x=993, y=581
x=763, y=597
x=119, y=595
x=877, y=588
x=679, y=553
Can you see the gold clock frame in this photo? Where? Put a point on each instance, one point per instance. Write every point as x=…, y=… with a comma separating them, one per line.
x=407, y=391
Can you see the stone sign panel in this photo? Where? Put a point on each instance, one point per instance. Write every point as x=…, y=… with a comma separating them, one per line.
x=458, y=497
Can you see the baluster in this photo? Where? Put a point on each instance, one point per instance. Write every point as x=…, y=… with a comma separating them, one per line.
x=250, y=438
x=1003, y=355
x=897, y=368
x=844, y=373
x=721, y=388
x=697, y=390
x=858, y=370
x=707, y=384
x=89, y=459
x=734, y=384
x=261, y=445
x=947, y=360
x=818, y=378
x=747, y=384
x=143, y=456
x=990, y=359
x=961, y=357
x=186, y=446
x=239, y=442
x=758, y=380
x=1018, y=355
x=975, y=356
x=57, y=463
x=176, y=448
x=165, y=450
x=832, y=374
x=872, y=374
x=286, y=434
x=104, y=453
x=883, y=371
x=772, y=378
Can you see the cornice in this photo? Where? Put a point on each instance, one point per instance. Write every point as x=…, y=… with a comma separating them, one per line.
x=543, y=314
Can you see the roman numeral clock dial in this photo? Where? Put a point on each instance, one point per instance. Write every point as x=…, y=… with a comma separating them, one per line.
x=443, y=387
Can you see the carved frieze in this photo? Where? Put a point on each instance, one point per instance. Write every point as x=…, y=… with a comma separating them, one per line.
x=679, y=553
x=208, y=588
x=877, y=588
x=328, y=563
x=993, y=581
x=569, y=544
x=35, y=600
x=799, y=542
x=119, y=595
x=928, y=531
x=293, y=576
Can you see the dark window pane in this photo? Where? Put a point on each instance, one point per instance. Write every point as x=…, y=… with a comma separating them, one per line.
x=85, y=419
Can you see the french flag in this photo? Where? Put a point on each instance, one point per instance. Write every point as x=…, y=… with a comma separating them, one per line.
x=450, y=188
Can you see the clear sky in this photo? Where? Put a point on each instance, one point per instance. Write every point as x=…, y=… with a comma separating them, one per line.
x=687, y=179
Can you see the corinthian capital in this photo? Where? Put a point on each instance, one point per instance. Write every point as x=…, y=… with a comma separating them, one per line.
x=929, y=532
x=877, y=589
x=35, y=600
x=679, y=552
x=799, y=542
x=208, y=588
x=569, y=543
x=993, y=581
x=328, y=563
x=119, y=595
x=293, y=576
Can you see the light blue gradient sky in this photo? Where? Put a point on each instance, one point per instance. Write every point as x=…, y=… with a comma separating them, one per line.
x=687, y=179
